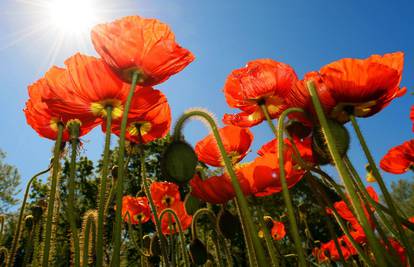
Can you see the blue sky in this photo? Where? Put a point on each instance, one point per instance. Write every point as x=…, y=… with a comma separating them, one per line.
x=223, y=35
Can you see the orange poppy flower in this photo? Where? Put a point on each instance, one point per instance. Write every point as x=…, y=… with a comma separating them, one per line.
x=137, y=208
x=399, y=159
x=45, y=120
x=262, y=81
x=400, y=250
x=168, y=223
x=164, y=194
x=139, y=44
x=278, y=231
x=361, y=87
x=344, y=211
x=320, y=255
x=304, y=147
x=85, y=88
x=236, y=141
x=149, y=117
x=219, y=189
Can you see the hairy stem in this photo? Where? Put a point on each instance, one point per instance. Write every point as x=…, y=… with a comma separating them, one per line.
x=343, y=173
x=52, y=195
x=121, y=169
x=102, y=192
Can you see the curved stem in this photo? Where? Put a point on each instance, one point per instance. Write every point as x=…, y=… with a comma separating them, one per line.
x=5, y=253
x=244, y=208
x=17, y=233
x=52, y=196
x=343, y=173
x=383, y=187
x=121, y=168
x=74, y=129
x=133, y=236
x=102, y=192
x=153, y=208
x=180, y=230
x=285, y=189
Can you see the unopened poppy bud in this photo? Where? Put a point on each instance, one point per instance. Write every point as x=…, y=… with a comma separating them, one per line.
x=179, y=162
x=320, y=147
x=298, y=129
x=37, y=212
x=29, y=221
x=228, y=224
x=268, y=222
x=370, y=177
x=147, y=242
x=114, y=172
x=198, y=252
x=155, y=247
x=192, y=204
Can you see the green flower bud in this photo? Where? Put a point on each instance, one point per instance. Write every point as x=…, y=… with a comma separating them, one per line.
x=320, y=147
x=228, y=224
x=192, y=204
x=179, y=162
x=198, y=252
x=29, y=221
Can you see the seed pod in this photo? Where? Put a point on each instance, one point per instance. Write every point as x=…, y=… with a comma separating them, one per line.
x=37, y=212
x=228, y=224
x=114, y=172
x=298, y=129
x=179, y=162
x=198, y=252
x=192, y=204
x=29, y=222
x=320, y=147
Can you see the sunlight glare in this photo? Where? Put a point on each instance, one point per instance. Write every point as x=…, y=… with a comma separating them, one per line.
x=72, y=16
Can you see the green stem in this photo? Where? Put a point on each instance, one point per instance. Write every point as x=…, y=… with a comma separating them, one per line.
x=320, y=192
x=102, y=192
x=29, y=246
x=5, y=253
x=17, y=233
x=181, y=234
x=343, y=173
x=251, y=255
x=269, y=240
x=90, y=225
x=74, y=129
x=153, y=208
x=121, y=168
x=52, y=196
x=285, y=190
x=141, y=243
x=386, y=194
x=241, y=199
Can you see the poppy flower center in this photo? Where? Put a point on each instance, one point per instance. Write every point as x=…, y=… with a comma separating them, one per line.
x=99, y=108
x=139, y=217
x=142, y=128
x=168, y=201
x=54, y=122
x=342, y=111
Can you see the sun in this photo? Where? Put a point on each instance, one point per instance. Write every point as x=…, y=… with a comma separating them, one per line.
x=72, y=16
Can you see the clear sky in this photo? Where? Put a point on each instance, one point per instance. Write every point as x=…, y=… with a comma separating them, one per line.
x=223, y=35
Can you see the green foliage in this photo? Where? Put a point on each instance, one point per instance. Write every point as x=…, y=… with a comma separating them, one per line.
x=9, y=181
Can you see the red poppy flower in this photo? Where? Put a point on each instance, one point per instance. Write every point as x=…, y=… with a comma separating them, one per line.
x=45, y=120
x=399, y=159
x=149, y=117
x=400, y=250
x=164, y=194
x=262, y=81
x=330, y=249
x=168, y=223
x=137, y=208
x=263, y=173
x=278, y=231
x=219, y=189
x=320, y=255
x=361, y=87
x=236, y=141
x=344, y=211
x=304, y=147
x=139, y=44
x=85, y=88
